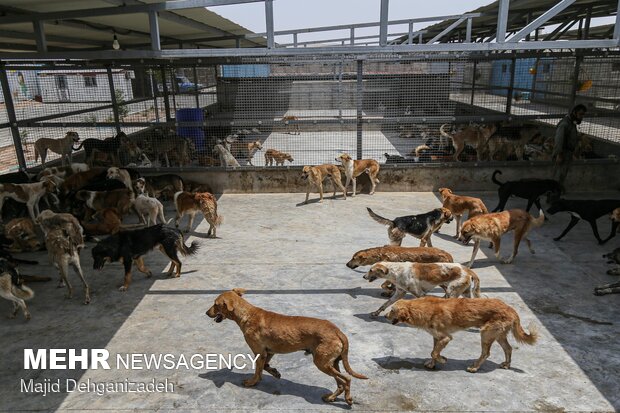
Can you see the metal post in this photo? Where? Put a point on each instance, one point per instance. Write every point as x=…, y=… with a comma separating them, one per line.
x=360, y=106
x=10, y=111
x=527, y=21
x=39, y=33
x=420, y=38
x=617, y=24
x=269, y=22
x=154, y=29
x=510, y=93
x=468, y=31
x=473, y=82
x=533, y=92
x=294, y=39
x=196, y=87
x=117, y=119
x=352, y=35
x=573, y=95
x=502, y=21
x=383, y=27
x=410, y=37
x=154, y=93
x=237, y=43
x=165, y=92
x=586, y=28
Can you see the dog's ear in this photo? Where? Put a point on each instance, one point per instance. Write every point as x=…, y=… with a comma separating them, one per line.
x=229, y=305
x=239, y=291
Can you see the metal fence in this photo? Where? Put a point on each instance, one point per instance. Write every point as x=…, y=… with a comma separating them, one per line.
x=386, y=107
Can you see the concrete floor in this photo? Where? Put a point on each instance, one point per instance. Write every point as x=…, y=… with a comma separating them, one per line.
x=291, y=259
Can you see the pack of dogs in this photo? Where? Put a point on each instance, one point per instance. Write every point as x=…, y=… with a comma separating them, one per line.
x=85, y=202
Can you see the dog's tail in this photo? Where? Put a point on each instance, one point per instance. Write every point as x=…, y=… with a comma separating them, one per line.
x=418, y=150
x=474, y=287
x=345, y=357
x=494, y=179
x=521, y=336
x=22, y=291
x=378, y=218
x=443, y=132
x=185, y=250
x=36, y=153
x=537, y=222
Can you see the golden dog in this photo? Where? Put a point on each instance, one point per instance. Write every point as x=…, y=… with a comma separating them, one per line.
x=269, y=333
x=459, y=205
x=476, y=136
x=443, y=316
x=491, y=227
x=272, y=155
x=63, y=147
x=315, y=175
x=354, y=168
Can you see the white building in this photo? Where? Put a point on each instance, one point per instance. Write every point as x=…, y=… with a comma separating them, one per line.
x=83, y=85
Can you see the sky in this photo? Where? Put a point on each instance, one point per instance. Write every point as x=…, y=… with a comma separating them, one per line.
x=294, y=14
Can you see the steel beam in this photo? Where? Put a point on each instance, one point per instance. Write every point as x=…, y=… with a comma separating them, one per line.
x=410, y=33
x=269, y=23
x=542, y=19
x=360, y=107
x=39, y=32
x=446, y=31
x=502, y=20
x=154, y=28
x=383, y=22
x=352, y=35
x=342, y=39
x=10, y=111
x=117, y=119
x=468, y=31
x=617, y=25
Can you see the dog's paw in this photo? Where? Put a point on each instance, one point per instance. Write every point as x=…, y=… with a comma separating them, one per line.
x=430, y=364
x=375, y=314
x=68, y=295
x=556, y=239
x=274, y=372
x=613, y=272
x=122, y=288
x=472, y=369
x=28, y=317
x=328, y=398
x=442, y=359
x=505, y=365
x=149, y=274
x=11, y=316
x=250, y=382
x=87, y=299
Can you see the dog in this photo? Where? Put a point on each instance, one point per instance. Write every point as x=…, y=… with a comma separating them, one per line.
x=28, y=194
x=78, y=180
x=63, y=147
x=121, y=199
x=63, y=171
x=120, y=175
x=167, y=143
x=242, y=150
x=475, y=135
x=109, y=146
x=130, y=246
x=64, y=239
x=192, y=203
x=419, y=278
x=492, y=226
x=315, y=175
x=110, y=223
x=268, y=333
x=158, y=185
x=354, y=168
x=613, y=288
x=421, y=226
x=272, y=155
x=441, y=317
x=22, y=234
x=12, y=288
x=294, y=127
x=149, y=210
x=459, y=205
x=589, y=210
x=226, y=158
x=391, y=159
x=511, y=139
x=530, y=189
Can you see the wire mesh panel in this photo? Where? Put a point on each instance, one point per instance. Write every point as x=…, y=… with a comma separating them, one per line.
x=405, y=108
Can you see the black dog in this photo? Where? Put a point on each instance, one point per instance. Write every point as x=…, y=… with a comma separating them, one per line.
x=420, y=226
x=131, y=246
x=590, y=210
x=109, y=146
x=530, y=189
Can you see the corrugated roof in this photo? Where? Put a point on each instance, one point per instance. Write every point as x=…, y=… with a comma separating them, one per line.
x=189, y=27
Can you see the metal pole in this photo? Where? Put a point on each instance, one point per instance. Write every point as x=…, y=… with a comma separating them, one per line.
x=420, y=38
x=10, y=111
x=117, y=119
x=154, y=28
x=617, y=25
x=352, y=35
x=586, y=29
x=510, y=93
x=237, y=43
x=196, y=87
x=154, y=93
x=473, y=82
x=410, y=37
x=294, y=39
x=40, y=36
x=573, y=96
x=269, y=23
x=165, y=92
x=468, y=31
x=360, y=106
x=502, y=21
x=383, y=23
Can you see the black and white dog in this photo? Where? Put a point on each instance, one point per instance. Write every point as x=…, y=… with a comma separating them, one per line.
x=13, y=289
x=530, y=189
x=130, y=246
x=589, y=210
x=420, y=226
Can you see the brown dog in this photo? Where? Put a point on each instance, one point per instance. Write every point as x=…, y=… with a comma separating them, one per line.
x=315, y=175
x=272, y=155
x=491, y=227
x=110, y=223
x=289, y=127
x=476, y=136
x=121, y=199
x=443, y=316
x=192, y=203
x=269, y=333
x=80, y=179
x=22, y=234
x=459, y=205
x=63, y=147
x=354, y=168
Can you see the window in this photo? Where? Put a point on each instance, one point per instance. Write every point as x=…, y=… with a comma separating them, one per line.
x=90, y=81
x=61, y=81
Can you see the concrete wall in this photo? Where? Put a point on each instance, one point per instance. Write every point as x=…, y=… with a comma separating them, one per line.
x=592, y=175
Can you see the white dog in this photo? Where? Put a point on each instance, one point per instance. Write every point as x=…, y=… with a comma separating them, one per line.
x=226, y=158
x=149, y=209
x=419, y=278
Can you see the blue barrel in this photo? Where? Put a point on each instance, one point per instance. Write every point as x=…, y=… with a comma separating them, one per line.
x=194, y=133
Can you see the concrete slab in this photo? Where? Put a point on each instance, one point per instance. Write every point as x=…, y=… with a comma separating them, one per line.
x=291, y=259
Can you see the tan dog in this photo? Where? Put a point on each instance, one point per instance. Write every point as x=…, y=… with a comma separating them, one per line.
x=63, y=171
x=121, y=199
x=507, y=146
x=354, y=168
x=476, y=136
x=80, y=179
x=441, y=317
x=269, y=333
x=419, y=278
x=29, y=194
x=63, y=147
x=22, y=234
x=492, y=226
x=120, y=175
x=109, y=223
x=192, y=203
x=459, y=205
x=242, y=150
x=289, y=127
x=272, y=155
x=315, y=175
